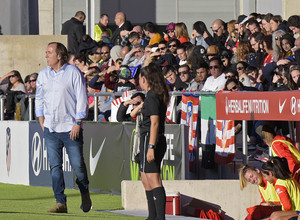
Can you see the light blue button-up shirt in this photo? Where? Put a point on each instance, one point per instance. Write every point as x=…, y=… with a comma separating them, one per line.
x=61, y=97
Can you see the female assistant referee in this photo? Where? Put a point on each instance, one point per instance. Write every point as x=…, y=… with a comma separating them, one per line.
x=153, y=142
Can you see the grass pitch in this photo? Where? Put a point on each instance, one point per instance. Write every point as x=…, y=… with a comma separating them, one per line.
x=29, y=202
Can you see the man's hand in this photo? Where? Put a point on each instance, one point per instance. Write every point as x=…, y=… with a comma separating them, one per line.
x=74, y=134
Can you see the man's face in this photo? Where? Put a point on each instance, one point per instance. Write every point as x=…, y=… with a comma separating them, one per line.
x=215, y=68
x=253, y=28
x=118, y=20
x=184, y=74
x=171, y=77
x=173, y=47
x=134, y=41
x=105, y=53
x=233, y=87
x=138, y=54
x=97, y=55
x=162, y=49
x=201, y=74
x=254, y=44
x=217, y=30
x=181, y=54
x=104, y=20
x=52, y=58
x=295, y=29
x=138, y=100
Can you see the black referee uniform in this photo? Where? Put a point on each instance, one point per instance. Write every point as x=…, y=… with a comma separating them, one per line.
x=153, y=105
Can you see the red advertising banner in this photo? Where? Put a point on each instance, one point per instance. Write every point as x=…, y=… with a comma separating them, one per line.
x=279, y=106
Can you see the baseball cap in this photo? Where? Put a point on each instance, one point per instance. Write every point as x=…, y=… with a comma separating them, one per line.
x=213, y=50
x=125, y=73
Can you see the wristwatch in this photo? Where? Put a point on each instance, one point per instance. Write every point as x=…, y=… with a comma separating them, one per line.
x=78, y=123
x=150, y=146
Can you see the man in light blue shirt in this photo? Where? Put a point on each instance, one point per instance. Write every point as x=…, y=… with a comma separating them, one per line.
x=61, y=104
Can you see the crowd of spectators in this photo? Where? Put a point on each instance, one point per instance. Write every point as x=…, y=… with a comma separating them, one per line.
x=254, y=53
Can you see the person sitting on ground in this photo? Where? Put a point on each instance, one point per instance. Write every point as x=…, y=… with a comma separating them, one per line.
x=282, y=147
x=123, y=84
x=270, y=200
x=135, y=100
x=277, y=173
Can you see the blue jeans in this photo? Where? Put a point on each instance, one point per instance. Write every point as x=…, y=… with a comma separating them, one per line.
x=54, y=142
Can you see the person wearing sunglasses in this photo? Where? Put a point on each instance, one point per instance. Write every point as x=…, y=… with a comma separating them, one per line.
x=170, y=32
x=220, y=34
x=217, y=79
x=136, y=100
x=243, y=78
x=173, y=45
x=186, y=77
x=13, y=82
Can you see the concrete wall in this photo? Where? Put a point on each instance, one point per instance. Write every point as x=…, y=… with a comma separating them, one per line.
x=25, y=53
x=46, y=20
x=224, y=193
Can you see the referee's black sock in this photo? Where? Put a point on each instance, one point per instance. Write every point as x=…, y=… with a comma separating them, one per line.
x=159, y=196
x=151, y=205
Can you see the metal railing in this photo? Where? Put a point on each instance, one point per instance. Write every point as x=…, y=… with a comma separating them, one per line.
x=96, y=96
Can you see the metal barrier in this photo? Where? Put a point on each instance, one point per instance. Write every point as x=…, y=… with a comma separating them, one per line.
x=119, y=94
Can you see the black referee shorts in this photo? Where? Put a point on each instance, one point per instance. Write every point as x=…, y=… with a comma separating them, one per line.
x=159, y=153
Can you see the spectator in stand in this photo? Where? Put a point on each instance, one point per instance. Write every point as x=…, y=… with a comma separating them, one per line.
x=32, y=81
x=135, y=39
x=253, y=26
x=80, y=62
x=107, y=61
x=122, y=24
x=244, y=51
x=162, y=46
x=259, y=56
x=294, y=24
x=173, y=45
x=252, y=73
x=123, y=84
x=216, y=81
x=226, y=56
x=181, y=32
x=220, y=33
x=97, y=55
x=186, y=77
x=135, y=100
x=101, y=27
x=243, y=78
x=135, y=56
x=231, y=74
x=173, y=80
x=286, y=44
x=149, y=30
x=280, y=80
x=243, y=32
x=232, y=35
x=294, y=77
x=27, y=83
x=170, y=32
x=212, y=51
x=181, y=53
x=14, y=83
x=233, y=84
x=202, y=73
x=75, y=31
x=267, y=47
x=266, y=24
x=199, y=31
x=277, y=23
x=276, y=38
